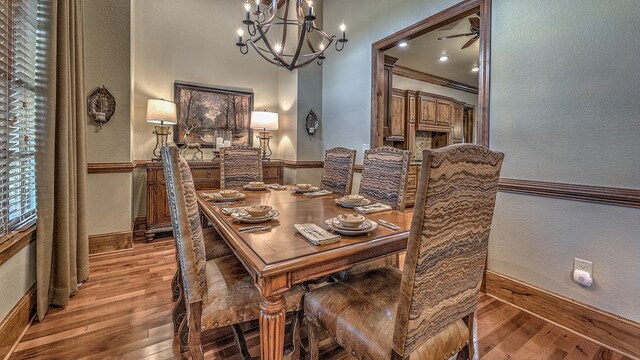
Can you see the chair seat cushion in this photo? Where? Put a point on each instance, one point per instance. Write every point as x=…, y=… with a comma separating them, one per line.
x=360, y=313
x=232, y=296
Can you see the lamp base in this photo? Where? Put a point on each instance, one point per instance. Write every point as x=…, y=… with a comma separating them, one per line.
x=264, y=137
x=162, y=133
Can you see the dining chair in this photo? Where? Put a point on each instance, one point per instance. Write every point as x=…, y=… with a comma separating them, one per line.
x=384, y=176
x=337, y=171
x=384, y=180
x=216, y=289
x=239, y=165
x=427, y=310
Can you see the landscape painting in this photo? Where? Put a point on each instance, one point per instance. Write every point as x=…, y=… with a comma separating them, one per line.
x=205, y=113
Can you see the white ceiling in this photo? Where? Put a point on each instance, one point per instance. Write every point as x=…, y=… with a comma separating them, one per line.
x=423, y=52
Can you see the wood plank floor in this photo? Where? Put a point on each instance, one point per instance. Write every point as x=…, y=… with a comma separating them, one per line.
x=124, y=312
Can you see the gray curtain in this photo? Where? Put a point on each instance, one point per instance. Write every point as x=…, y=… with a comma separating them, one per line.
x=61, y=165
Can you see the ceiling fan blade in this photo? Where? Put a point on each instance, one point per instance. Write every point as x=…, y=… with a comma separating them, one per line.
x=455, y=36
x=475, y=22
x=470, y=42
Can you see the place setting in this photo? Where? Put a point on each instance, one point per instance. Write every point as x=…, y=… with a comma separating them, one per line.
x=351, y=225
x=223, y=197
x=351, y=201
x=256, y=186
x=254, y=214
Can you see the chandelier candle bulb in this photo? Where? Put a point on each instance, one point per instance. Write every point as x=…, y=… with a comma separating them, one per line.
x=240, y=35
x=257, y=7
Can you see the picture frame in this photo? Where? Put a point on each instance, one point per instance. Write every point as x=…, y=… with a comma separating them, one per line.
x=206, y=112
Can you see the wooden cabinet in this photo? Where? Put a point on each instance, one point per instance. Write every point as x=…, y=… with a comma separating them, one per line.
x=458, y=123
x=397, y=116
x=444, y=113
x=206, y=175
x=390, y=130
x=427, y=112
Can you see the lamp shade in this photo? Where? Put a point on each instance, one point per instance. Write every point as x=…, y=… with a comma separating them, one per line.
x=161, y=111
x=264, y=120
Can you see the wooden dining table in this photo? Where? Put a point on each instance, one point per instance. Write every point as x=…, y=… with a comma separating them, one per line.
x=279, y=258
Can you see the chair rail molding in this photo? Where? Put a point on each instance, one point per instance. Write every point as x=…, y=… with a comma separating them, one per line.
x=588, y=193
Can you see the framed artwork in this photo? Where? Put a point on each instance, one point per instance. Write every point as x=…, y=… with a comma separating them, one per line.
x=205, y=113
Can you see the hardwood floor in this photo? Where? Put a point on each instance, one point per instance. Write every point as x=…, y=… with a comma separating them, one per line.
x=124, y=312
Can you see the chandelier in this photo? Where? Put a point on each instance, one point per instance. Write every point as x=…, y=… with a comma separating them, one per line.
x=270, y=25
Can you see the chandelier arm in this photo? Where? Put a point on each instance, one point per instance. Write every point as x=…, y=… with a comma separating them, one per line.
x=251, y=32
x=303, y=33
x=284, y=29
x=275, y=54
x=306, y=62
x=257, y=49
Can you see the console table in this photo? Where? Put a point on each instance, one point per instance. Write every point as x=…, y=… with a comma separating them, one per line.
x=206, y=175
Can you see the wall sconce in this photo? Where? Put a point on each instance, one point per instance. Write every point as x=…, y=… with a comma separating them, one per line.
x=101, y=105
x=264, y=121
x=161, y=112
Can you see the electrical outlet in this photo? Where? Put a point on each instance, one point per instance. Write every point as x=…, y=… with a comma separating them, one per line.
x=584, y=265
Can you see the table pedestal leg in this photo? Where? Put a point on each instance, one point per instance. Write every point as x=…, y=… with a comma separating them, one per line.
x=272, y=319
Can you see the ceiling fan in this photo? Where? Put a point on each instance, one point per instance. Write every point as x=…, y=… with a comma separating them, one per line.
x=475, y=32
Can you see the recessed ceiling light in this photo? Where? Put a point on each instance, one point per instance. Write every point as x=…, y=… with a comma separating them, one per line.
x=403, y=44
x=475, y=69
x=444, y=58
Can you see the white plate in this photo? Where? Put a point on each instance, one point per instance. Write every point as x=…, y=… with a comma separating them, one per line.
x=364, y=202
x=311, y=189
x=243, y=216
x=255, y=188
x=334, y=225
x=217, y=197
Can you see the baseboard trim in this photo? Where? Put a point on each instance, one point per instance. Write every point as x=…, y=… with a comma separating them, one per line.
x=606, y=329
x=16, y=323
x=103, y=243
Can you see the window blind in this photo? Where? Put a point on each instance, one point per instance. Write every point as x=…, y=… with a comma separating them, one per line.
x=18, y=21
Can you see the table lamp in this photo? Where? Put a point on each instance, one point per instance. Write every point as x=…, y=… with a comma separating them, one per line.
x=264, y=121
x=161, y=112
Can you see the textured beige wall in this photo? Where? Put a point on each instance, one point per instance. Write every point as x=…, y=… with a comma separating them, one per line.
x=107, y=62
x=563, y=108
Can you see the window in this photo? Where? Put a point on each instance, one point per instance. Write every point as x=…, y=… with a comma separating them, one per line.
x=18, y=22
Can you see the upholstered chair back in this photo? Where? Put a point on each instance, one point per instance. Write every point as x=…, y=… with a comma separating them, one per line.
x=185, y=219
x=384, y=176
x=337, y=173
x=447, y=244
x=239, y=166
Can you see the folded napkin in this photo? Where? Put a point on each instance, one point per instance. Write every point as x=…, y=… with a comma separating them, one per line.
x=315, y=234
x=276, y=187
x=373, y=208
x=231, y=210
x=318, y=193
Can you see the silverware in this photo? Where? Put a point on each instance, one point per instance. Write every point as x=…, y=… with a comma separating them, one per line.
x=390, y=225
x=224, y=203
x=250, y=229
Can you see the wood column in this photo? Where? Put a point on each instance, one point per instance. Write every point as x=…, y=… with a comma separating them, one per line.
x=272, y=321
